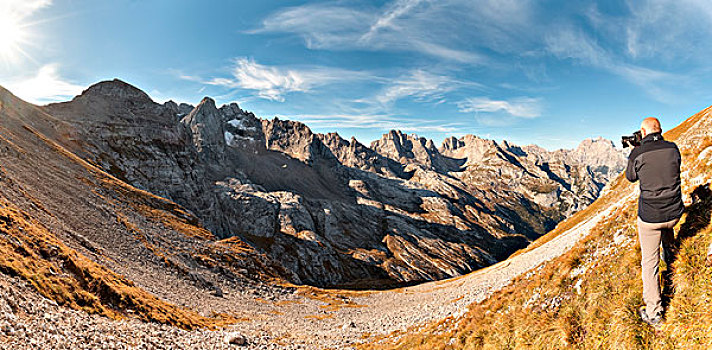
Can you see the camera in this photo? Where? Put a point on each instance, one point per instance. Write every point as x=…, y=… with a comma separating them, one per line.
x=632, y=140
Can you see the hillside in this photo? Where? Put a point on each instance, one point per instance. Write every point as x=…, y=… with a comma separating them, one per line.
x=588, y=297
x=86, y=240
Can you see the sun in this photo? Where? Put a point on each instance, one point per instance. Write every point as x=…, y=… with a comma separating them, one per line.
x=12, y=36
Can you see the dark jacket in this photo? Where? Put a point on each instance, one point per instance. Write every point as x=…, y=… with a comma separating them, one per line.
x=656, y=163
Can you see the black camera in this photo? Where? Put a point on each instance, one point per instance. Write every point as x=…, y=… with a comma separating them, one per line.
x=632, y=140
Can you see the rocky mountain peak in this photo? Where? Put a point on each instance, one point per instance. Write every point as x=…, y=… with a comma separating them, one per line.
x=232, y=110
x=116, y=90
x=204, y=112
x=354, y=154
x=451, y=143
x=470, y=147
x=295, y=139
x=407, y=149
x=205, y=123
x=596, y=152
x=180, y=110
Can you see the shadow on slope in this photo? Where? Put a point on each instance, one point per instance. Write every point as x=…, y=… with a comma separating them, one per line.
x=698, y=216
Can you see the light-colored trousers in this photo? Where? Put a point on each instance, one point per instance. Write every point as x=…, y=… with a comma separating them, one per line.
x=651, y=235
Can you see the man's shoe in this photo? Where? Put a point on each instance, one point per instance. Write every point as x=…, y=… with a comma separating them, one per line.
x=654, y=321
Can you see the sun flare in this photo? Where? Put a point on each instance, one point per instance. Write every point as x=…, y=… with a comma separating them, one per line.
x=12, y=36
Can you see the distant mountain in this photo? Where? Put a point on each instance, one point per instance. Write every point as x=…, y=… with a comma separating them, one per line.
x=330, y=211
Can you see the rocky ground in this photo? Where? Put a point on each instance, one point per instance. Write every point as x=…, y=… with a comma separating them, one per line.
x=270, y=317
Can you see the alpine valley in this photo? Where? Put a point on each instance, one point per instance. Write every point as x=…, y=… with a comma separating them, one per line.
x=191, y=216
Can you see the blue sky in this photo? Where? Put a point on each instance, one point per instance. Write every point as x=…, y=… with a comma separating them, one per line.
x=545, y=72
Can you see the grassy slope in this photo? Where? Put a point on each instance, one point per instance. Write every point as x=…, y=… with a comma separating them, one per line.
x=31, y=251
x=588, y=297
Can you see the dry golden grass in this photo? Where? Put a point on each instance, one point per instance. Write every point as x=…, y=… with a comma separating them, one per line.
x=141, y=237
x=333, y=299
x=676, y=132
x=320, y=317
x=30, y=251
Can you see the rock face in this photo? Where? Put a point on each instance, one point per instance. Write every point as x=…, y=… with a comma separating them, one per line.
x=331, y=211
x=564, y=181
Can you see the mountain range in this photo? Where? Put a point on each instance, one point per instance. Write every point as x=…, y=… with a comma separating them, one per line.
x=330, y=211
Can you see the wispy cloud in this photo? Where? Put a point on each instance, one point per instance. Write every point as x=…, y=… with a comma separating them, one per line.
x=636, y=36
x=663, y=29
x=319, y=25
x=399, y=8
x=44, y=87
x=382, y=122
x=404, y=25
x=273, y=82
x=418, y=84
x=522, y=107
x=572, y=43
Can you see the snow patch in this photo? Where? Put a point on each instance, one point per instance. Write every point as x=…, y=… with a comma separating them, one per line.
x=240, y=125
x=232, y=139
x=229, y=137
x=236, y=123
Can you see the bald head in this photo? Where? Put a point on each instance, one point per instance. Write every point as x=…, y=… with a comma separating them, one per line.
x=650, y=125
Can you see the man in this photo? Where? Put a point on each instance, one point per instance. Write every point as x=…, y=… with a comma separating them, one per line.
x=656, y=163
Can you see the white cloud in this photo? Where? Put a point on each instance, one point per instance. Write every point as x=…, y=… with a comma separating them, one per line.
x=273, y=83
x=437, y=50
x=419, y=84
x=374, y=121
x=666, y=29
x=321, y=26
x=44, y=87
x=406, y=25
x=571, y=43
x=647, y=36
x=523, y=107
x=399, y=8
